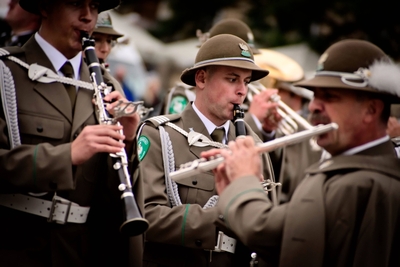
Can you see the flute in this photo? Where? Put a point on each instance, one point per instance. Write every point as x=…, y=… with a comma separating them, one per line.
x=204, y=165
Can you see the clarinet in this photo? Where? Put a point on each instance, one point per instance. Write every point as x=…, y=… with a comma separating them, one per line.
x=238, y=115
x=134, y=223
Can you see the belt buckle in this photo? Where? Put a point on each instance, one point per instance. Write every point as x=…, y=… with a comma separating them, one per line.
x=219, y=242
x=58, y=200
x=225, y=243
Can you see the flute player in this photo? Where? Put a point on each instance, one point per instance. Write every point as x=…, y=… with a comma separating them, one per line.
x=346, y=211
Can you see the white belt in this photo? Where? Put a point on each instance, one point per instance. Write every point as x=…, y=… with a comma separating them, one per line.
x=60, y=210
x=225, y=243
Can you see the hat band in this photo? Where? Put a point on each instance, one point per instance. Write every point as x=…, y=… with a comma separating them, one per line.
x=347, y=77
x=223, y=59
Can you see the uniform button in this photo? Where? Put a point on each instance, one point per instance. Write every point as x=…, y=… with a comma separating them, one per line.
x=221, y=217
x=194, y=182
x=198, y=243
x=39, y=129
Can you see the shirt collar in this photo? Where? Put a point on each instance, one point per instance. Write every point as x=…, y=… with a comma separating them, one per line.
x=376, y=142
x=325, y=155
x=209, y=124
x=56, y=58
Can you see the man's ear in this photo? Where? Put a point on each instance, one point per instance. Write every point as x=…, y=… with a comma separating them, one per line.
x=200, y=78
x=374, y=109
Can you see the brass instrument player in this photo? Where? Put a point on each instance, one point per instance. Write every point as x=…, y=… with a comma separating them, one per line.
x=60, y=204
x=290, y=161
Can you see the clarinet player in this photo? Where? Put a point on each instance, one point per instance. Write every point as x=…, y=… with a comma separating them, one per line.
x=59, y=202
x=182, y=214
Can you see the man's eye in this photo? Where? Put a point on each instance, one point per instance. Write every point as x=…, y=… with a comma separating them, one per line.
x=95, y=5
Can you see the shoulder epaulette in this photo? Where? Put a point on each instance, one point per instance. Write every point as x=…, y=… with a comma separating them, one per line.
x=10, y=51
x=162, y=119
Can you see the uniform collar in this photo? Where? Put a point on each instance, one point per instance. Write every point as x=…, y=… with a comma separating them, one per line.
x=209, y=125
x=56, y=58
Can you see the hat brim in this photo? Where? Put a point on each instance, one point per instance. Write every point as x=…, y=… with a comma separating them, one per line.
x=187, y=75
x=109, y=31
x=336, y=83
x=32, y=6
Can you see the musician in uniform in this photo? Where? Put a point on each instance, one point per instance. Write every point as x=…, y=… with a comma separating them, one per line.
x=60, y=204
x=181, y=213
x=105, y=37
x=178, y=97
x=346, y=210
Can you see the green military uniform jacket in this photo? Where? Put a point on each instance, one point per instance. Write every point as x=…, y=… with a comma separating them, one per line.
x=42, y=163
x=344, y=213
x=179, y=236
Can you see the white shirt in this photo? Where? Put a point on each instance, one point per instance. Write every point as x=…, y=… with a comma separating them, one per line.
x=211, y=126
x=57, y=59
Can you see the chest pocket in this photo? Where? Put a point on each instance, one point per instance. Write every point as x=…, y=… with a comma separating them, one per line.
x=36, y=129
x=197, y=188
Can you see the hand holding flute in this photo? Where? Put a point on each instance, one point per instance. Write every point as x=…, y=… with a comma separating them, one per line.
x=209, y=163
x=243, y=156
x=241, y=159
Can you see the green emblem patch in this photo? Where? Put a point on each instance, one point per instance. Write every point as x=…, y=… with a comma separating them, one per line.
x=143, y=146
x=178, y=104
x=245, y=50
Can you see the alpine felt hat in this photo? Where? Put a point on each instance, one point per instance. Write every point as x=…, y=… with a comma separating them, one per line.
x=356, y=65
x=32, y=6
x=224, y=50
x=104, y=25
x=231, y=26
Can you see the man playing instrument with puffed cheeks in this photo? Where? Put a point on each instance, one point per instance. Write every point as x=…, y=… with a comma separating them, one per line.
x=346, y=211
x=53, y=148
x=182, y=213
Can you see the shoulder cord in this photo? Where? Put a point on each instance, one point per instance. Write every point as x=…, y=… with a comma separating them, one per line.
x=169, y=166
x=9, y=104
x=169, y=161
x=45, y=75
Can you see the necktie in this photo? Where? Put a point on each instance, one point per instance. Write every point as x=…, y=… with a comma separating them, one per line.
x=68, y=71
x=218, y=134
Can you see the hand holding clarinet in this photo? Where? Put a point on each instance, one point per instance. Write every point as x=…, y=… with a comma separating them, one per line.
x=119, y=119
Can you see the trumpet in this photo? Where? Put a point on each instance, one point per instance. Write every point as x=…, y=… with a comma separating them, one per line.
x=203, y=165
x=290, y=118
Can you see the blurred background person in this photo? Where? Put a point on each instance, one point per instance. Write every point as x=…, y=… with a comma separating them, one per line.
x=105, y=37
x=21, y=25
x=290, y=161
